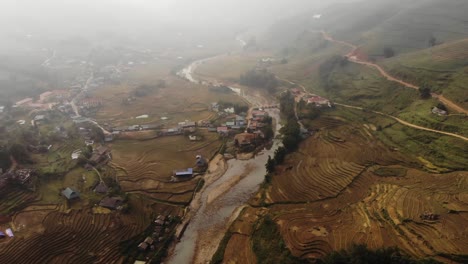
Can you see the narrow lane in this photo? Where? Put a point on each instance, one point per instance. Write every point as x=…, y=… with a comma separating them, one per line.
x=353, y=58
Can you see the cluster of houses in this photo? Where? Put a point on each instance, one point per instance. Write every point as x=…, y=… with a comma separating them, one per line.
x=428, y=216
x=45, y=101
x=19, y=176
x=110, y=202
x=311, y=98
x=161, y=227
x=233, y=122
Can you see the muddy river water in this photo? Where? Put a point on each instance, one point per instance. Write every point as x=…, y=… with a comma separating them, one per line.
x=220, y=201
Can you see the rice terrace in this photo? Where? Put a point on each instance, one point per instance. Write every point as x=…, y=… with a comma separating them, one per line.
x=234, y=132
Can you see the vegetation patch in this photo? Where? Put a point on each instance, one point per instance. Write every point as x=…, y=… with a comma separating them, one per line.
x=390, y=172
x=268, y=245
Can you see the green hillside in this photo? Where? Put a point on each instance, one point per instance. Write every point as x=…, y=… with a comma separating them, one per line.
x=413, y=27
x=443, y=68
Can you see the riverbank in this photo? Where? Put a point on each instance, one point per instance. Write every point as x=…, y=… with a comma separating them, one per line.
x=228, y=186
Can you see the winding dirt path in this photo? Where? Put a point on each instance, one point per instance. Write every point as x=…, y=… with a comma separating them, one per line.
x=353, y=58
x=406, y=123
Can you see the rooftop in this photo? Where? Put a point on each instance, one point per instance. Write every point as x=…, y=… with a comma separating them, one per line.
x=70, y=193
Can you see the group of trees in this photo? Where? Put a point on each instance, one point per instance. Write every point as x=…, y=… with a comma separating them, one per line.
x=309, y=111
x=238, y=108
x=388, y=52
x=425, y=92
x=146, y=89
x=327, y=67
x=259, y=78
x=291, y=134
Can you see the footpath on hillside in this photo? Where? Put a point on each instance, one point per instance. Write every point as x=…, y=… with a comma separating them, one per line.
x=354, y=58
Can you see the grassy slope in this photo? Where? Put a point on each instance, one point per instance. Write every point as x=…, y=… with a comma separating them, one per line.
x=443, y=68
x=411, y=28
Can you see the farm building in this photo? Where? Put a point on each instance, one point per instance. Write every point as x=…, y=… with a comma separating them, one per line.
x=100, y=154
x=70, y=194
x=318, y=100
x=244, y=139
x=187, y=124
x=230, y=124
x=111, y=202
x=201, y=162
x=101, y=188
x=184, y=173
x=171, y=131
x=222, y=130
x=39, y=118
x=229, y=110
x=22, y=175
x=108, y=137
x=438, y=111
x=259, y=114
x=142, y=246
x=149, y=240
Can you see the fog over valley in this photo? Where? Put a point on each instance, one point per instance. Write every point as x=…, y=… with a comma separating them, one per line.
x=233, y=131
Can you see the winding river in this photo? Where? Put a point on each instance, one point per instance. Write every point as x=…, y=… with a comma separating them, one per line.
x=221, y=201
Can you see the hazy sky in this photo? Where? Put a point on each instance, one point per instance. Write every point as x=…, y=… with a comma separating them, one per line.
x=85, y=14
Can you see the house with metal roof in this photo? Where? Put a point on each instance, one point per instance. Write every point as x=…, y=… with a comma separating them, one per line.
x=184, y=173
x=70, y=194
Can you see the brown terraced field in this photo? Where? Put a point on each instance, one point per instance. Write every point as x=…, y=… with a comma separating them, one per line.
x=344, y=187
x=146, y=167
x=50, y=234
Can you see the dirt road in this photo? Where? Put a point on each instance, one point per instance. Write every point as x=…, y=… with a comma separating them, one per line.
x=353, y=58
x=407, y=123
x=390, y=116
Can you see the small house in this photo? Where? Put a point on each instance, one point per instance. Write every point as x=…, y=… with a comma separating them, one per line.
x=149, y=240
x=142, y=246
x=111, y=202
x=70, y=194
x=100, y=154
x=438, y=111
x=259, y=114
x=229, y=110
x=244, y=139
x=184, y=173
x=159, y=222
x=101, y=188
x=108, y=137
x=201, y=162
x=318, y=100
x=222, y=130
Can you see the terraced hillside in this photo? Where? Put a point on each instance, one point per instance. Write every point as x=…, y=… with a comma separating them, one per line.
x=382, y=212
x=328, y=163
x=146, y=167
x=344, y=187
x=442, y=68
x=48, y=234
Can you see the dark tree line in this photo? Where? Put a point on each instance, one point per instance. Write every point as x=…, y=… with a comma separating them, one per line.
x=291, y=134
x=260, y=79
x=327, y=67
